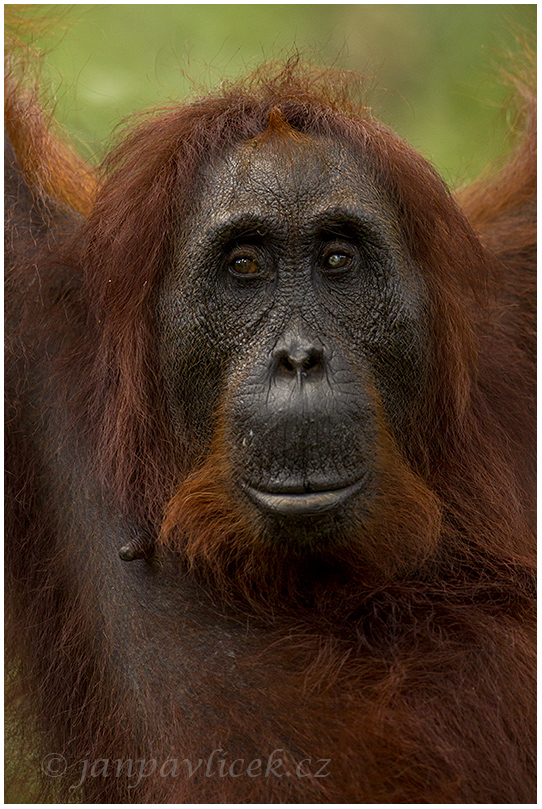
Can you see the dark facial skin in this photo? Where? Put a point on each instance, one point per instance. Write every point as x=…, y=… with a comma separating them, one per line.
x=295, y=310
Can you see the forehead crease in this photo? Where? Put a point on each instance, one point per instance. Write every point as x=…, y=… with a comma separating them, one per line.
x=304, y=180
x=318, y=177
x=272, y=178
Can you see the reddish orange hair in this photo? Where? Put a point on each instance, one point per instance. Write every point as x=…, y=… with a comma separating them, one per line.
x=417, y=682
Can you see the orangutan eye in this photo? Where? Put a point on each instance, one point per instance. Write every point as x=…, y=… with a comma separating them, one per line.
x=337, y=261
x=245, y=266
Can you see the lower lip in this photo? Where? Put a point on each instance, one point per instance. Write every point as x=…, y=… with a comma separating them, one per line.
x=300, y=505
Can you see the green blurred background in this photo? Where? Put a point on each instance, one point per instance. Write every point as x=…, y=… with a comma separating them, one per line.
x=434, y=68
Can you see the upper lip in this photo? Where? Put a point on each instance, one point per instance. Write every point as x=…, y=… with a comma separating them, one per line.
x=294, y=500
x=299, y=487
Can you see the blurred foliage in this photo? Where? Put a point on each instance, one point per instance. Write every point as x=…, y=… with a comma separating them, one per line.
x=433, y=69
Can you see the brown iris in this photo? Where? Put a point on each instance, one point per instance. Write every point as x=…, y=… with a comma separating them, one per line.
x=337, y=261
x=245, y=266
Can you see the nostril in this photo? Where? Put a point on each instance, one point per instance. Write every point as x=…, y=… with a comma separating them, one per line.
x=298, y=360
x=285, y=362
x=313, y=359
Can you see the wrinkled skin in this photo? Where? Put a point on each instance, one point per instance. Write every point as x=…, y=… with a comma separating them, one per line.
x=307, y=588
x=291, y=283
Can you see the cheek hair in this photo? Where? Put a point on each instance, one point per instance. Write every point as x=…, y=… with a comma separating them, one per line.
x=224, y=538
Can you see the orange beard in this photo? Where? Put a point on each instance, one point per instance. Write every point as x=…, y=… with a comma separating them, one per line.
x=223, y=536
